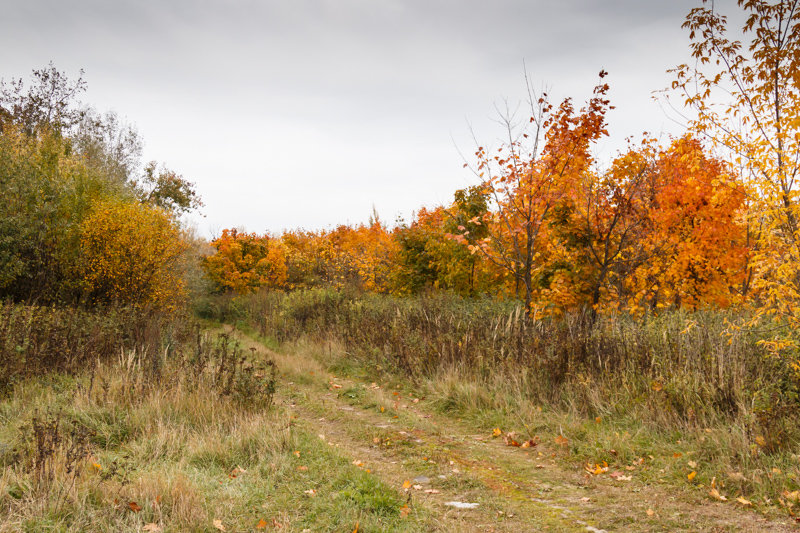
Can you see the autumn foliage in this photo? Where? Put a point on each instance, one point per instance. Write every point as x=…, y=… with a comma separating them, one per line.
x=243, y=262
x=81, y=222
x=120, y=266
x=661, y=227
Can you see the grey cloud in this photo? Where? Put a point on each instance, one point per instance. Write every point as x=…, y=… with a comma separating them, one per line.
x=320, y=108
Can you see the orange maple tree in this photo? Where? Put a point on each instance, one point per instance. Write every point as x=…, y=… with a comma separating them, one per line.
x=527, y=179
x=244, y=262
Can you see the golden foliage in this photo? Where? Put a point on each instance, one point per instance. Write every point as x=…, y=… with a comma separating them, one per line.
x=243, y=262
x=130, y=254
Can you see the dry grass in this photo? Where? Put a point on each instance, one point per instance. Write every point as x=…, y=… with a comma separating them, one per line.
x=179, y=438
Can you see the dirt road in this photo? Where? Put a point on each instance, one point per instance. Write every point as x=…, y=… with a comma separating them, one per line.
x=440, y=464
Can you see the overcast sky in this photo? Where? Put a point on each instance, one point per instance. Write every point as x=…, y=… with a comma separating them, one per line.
x=301, y=113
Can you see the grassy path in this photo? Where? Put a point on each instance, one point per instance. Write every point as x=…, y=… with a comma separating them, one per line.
x=432, y=459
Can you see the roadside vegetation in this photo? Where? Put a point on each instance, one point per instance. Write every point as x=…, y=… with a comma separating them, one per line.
x=565, y=346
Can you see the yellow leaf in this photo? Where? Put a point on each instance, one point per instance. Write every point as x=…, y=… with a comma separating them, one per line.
x=691, y=475
x=761, y=441
x=355, y=529
x=744, y=502
x=496, y=432
x=714, y=493
x=792, y=496
x=406, y=484
x=262, y=524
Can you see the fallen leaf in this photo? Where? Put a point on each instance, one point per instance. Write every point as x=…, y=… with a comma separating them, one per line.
x=691, y=475
x=743, y=501
x=152, y=527
x=530, y=443
x=656, y=386
x=792, y=496
x=297, y=453
x=586, y=499
x=382, y=409
x=262, y=524
x=761, y=441
x=431, y=491
x=302, y=468
x=650, y=512
x=97, y=466
x=404, y=510
x=714, y=493
x=677, y=454
x=310, y=492
x=692, y=464
x=133, y=506
x=561, y=440
x=358, y=463
x=496, y=432
x=406, y=484
x=596, y=469
x=218, y=524
x=355, y=529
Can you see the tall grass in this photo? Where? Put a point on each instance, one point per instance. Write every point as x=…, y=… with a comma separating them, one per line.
x=677, y=369
x=105, y=448
x=36, y=340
